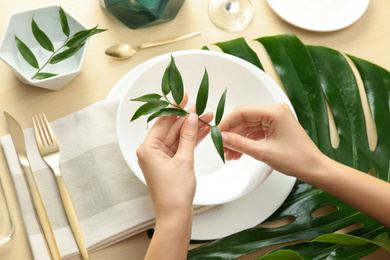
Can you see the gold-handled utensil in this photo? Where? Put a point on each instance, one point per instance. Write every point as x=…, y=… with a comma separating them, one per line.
x=125, y=51
x=49, y=149
x=39, y=208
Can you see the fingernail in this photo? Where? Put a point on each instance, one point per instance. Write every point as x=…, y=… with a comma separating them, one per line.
x=225, y=138
x=192, y=120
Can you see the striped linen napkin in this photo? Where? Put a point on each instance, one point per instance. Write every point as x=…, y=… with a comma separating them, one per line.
x=110, y=202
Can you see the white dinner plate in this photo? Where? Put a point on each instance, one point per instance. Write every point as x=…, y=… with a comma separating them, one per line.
x=247, y=211
x=320, y=15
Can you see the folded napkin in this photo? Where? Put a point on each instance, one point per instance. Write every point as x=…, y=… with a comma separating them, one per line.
x=110, y=202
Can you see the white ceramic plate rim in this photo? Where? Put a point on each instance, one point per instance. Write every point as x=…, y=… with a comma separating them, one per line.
x=291, y=12
x=217, y=183
x=243, y=213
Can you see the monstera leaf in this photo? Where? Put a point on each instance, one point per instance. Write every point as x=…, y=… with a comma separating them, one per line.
x=313, y=77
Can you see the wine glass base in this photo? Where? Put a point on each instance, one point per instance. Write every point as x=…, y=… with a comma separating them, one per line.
x=231, y=15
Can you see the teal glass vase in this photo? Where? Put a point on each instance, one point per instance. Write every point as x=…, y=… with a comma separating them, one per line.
x=142, y=13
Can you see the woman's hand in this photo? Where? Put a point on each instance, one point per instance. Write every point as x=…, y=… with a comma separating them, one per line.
x=166, y=158
x=288, y=149
x=272, y=134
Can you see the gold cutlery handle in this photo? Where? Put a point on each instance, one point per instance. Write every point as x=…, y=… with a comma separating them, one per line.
x=41, y=214
x=170, y=40
x=71, y=214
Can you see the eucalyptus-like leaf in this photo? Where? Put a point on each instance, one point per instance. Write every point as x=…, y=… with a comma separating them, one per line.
x=65, y=54
x=41, y=37
x=81, y=36
x=216, y=136
x=147, y=98
x=26, y=53
x=149, y=108
x=203, y=94
x=44, y=75
x=176, y=82
x=220, y=108
x=64, y=22
x=165, y=82
x=170, y=111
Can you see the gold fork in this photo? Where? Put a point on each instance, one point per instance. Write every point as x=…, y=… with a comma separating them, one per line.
x=50, y=152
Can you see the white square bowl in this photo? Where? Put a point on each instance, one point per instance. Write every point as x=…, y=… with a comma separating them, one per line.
x=48, y=20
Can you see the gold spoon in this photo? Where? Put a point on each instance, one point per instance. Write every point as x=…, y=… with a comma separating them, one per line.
x=125, y=51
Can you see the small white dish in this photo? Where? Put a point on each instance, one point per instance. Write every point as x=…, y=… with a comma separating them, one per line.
x=217, y=183
x=47, y=18
x=320, y=15
x=245, y=212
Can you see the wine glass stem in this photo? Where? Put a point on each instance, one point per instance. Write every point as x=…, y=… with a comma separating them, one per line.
x=232, y=6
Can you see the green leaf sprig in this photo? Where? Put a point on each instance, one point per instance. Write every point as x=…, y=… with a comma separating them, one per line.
x=70, y=47
x=156, y=105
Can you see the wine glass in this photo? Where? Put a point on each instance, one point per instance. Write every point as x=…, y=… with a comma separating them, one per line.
x=231, y=15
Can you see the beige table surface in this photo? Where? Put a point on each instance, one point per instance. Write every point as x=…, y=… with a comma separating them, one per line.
x=368, y=38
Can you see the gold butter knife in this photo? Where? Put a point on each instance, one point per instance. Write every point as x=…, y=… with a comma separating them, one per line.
x=39, y=208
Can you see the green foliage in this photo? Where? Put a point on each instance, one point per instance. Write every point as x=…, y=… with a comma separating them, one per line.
x=203, y=94
x=314, y=76
x=172, y=82
x=70, y=47
x=381, y=240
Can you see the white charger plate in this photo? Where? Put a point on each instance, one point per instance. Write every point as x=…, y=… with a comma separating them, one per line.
x=320, y=15
x=249, y=210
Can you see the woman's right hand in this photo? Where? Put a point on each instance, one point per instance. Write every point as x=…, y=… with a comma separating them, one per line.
x=270, y=133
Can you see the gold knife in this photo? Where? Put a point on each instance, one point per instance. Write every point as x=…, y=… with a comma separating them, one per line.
x=39, y=208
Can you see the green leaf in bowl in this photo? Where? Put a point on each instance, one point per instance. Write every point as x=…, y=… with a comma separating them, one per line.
x=65, y=54
x=26, y=53
x=41, y=37
x=81, y=36
x=44, y=75
x=64, y=22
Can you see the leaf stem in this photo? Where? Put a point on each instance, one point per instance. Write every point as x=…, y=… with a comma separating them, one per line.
x=179, y=107
x=47, y=62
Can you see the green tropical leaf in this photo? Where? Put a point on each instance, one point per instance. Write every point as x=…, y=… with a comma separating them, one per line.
x=41, y=37
x=64, y=22
x=312, y=77
x=240, y=48
x=26, y=53
x=220, y=108
x=149, y=108
x=65, y=54
x=216, y=136
x=147, y=97
x=203, y=94
x=170, y=111
x=175, y=82
x=81, y=36
x=381, y=240
x=44, y=75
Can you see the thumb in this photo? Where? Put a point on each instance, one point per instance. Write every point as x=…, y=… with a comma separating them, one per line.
x=188, y=136
x=242, y=144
